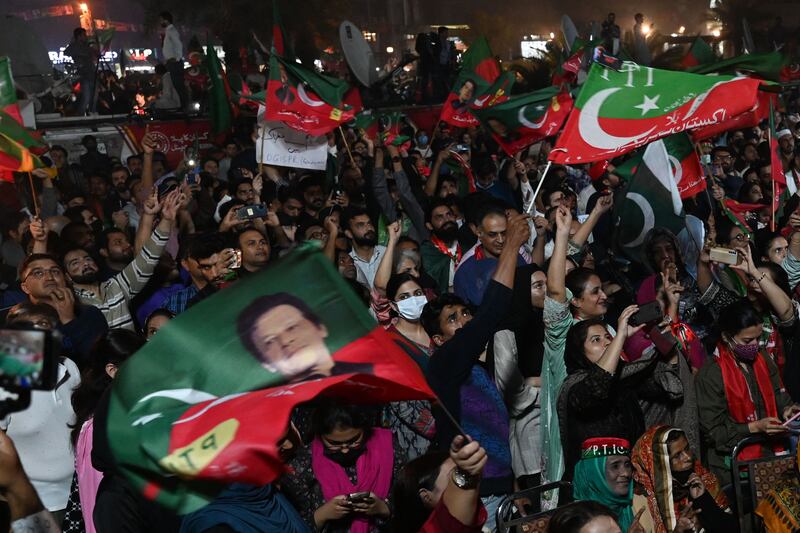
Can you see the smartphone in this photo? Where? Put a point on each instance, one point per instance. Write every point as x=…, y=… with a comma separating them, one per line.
x=647, y=313
x=28, y=359
x=359, y=497
x=462, y=148
x=191, y=178
x=724, y=255
x=249, y=212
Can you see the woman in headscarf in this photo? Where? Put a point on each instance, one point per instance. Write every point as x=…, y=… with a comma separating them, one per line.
x=604, y=474
x=516, y=355
x=780, y=508
x=676, y=492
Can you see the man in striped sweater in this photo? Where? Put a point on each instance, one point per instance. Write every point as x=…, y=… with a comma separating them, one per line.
x=113, y=296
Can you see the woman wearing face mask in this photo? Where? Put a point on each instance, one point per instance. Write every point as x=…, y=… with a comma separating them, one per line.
x=674, y=491
x=604, y=474
x=516, y=355
x=740, y=393
x=348, y=456
x=411, y=421
x=602, y=394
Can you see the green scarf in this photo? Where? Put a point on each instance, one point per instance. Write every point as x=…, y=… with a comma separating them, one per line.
x=589, y=483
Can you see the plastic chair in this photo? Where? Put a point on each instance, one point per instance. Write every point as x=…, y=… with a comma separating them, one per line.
x=509, y=519
x=762, y=473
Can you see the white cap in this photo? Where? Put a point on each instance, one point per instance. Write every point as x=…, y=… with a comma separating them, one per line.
x=783, y=133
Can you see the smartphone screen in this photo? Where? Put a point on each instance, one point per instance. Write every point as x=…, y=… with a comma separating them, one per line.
x=24, y=360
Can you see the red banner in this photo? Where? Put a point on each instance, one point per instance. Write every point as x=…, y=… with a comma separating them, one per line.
x=172, y=138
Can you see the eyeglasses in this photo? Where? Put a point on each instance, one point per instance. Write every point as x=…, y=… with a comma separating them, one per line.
x=350, y=444
x=741, y=237
x=39, y=273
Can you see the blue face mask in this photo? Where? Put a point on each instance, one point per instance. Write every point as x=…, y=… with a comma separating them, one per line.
x=422, y=140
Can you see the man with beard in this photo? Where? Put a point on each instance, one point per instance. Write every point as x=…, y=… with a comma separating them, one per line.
x=723, y=173
x=43, y=280
x=475, y=272
x=441, y=253
x=366, y=252
x=786, y=147
x=113, y=296
x=117, y=252
x=313, y=200
x=206, y=260
x=255, y=251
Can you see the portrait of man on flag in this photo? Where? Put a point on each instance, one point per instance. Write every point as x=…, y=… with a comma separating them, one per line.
x=288, y=338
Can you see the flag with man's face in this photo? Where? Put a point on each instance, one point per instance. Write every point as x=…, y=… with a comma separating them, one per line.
x=480, y=84
x=206, y=401
x=617, y=112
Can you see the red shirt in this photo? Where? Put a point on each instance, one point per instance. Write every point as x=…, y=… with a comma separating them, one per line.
x=441, y=521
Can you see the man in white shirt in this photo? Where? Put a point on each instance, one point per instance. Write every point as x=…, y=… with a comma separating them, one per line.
x=172, y=52
x=366, y=252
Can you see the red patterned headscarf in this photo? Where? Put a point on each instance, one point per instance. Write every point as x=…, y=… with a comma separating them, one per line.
x=653, y=476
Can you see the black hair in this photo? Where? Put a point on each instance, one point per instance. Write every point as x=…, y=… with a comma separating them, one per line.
x=433, y=309
x=779, y=276
x=166, y=15
x=574, y=356
x=75, y=214
x=397, y=280
x=764, y=240
x=745, y=190
x=406, y=238
x=161, y=311
x=12, y=221
x=23, y=266
x=225, y=208
x=116, y=346
x=737, y=316
x=674, y=435
x=572, y=517
x=548, y=192
x=25, y=309
x=421, y=473
x=161, y=69
x=724, y=227
x=361, y=291
x=246, y=321
x=577, y=279
x=484, y=166
x=433, y=204
x=106, y=233
x=69, y=235
x=77, y=32
x=718, y=149
x=349, y=214
x=495, y=207
x=331, y=415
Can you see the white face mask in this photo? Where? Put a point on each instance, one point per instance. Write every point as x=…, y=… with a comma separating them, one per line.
x=411, y=308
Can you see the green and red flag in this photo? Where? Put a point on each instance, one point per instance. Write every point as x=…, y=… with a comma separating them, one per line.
x=104, y=38
x=525, y=119
x=776, y=166
x=220, y=96
x=304, y=100
x=768, y=65
x=475, y=86
x=651, y=200
x=617, y=112
x=280, y=45
x=215, y=416
x=700, y=53
x=8, y=93
x=18, y=145
x=748, y=119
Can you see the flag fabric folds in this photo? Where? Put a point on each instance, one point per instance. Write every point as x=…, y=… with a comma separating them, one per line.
x=285, y=336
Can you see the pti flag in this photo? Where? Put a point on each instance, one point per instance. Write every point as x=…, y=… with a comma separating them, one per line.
x=768, y=65
x=776, y=165
x=700, y=53
x=651, y=200
x=219, y=103
x=475, y=86
x=202, y=406
x=8, y=93
x=304, y=100
x=748, y=119
x=16, y=144
x=523, y=120
x=617, y=112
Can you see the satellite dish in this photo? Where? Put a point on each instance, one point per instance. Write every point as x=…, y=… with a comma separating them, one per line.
x=569, y=30
x=358, y=54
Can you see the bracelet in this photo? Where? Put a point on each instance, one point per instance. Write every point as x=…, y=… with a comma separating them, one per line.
x=763, y=275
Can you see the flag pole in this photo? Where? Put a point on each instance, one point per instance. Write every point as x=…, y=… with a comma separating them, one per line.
x=541, y=180
x=33, y=195
x=344, y=140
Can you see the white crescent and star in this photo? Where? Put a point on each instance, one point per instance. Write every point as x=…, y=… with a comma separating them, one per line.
x=527, y=123
x=306, y=99
x=591, y=131
x=649, y=218
x=677, y=169
x=649, y=104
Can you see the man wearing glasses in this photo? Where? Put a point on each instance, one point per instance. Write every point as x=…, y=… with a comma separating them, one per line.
x=43, y=280
x=723, y=171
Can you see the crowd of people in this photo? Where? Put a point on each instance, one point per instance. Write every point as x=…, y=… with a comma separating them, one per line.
x=522, y=312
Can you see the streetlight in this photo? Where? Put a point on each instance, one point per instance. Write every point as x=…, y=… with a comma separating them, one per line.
x=682, y=29
x=389, y=50
x=552, y=35
x=715, y=33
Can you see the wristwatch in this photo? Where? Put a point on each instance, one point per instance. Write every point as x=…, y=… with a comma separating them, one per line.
x=464, y=480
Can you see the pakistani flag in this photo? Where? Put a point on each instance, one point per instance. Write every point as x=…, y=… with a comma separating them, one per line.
x=617, y=112
x=651, y=200
x=523, y=120
x=220, y=96
x=206, y=401
x=700, y=53
x=476, y=86
x=766, y=65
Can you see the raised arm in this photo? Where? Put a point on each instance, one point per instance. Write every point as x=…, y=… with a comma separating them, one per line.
x=556, y=272
x=39, y=234
x=611, y=357
x=603, y=205
x=517, y=234
x=470, y=459
x=148, y=145
x=779, y=300
x=433, y=180
x=537, y=255
x=384, y=271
